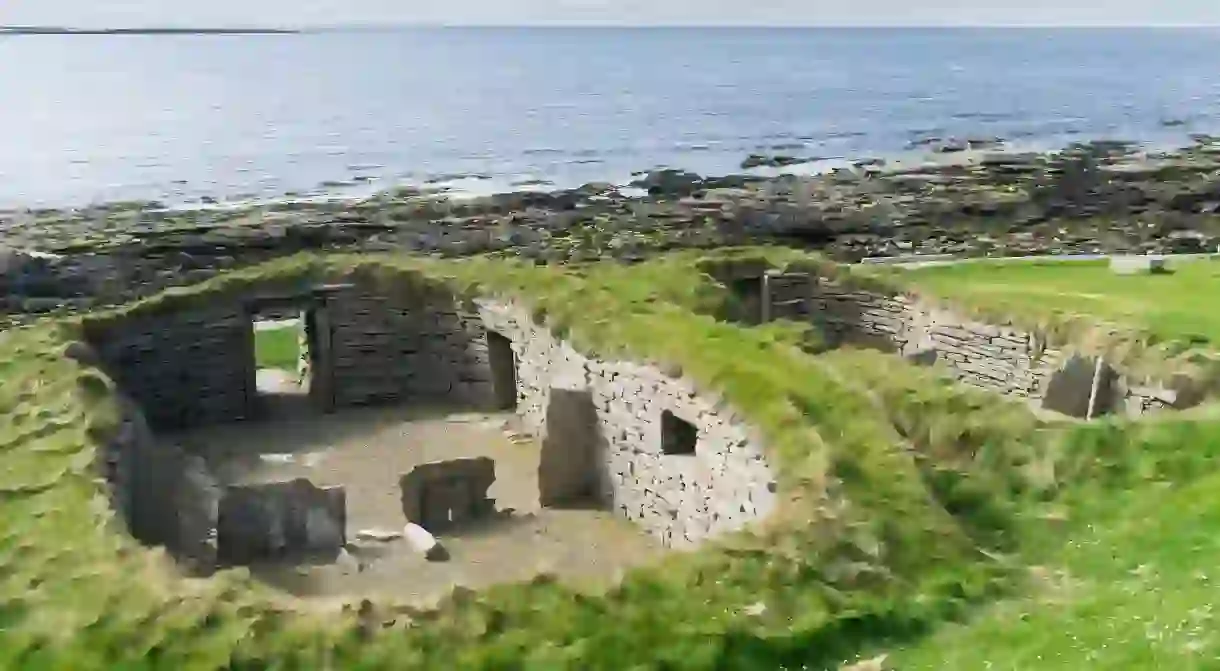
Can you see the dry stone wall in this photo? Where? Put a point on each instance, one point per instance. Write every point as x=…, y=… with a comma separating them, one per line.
x=163, y=495
x=416, y=345
x=184, y=369
x=997, y=358
x=681, y=498
x=196, y=366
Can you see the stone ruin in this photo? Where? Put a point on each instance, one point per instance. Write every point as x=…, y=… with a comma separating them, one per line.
x=998, y=358
x=615, y=435
x=607, y=428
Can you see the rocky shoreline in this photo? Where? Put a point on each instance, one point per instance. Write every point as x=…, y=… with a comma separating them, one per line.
x=1095, y=198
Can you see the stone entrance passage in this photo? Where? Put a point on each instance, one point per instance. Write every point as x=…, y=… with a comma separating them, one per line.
x=569, y=468
x=307, y=383
x=503, y=364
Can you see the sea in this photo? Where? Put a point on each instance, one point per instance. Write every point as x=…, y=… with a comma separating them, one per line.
x=180, y=118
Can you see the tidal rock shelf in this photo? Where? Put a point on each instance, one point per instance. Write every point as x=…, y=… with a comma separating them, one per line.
x=1103, y=197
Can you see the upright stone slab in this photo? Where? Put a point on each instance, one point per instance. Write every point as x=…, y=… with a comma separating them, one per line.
x=288, y=521
x=444, y=495
x=1072, y=386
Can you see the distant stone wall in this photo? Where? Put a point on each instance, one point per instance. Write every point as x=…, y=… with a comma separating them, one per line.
x=196, y=367
x=997, y=358
x=183, y=369
x=416, y=345
x=722, y=483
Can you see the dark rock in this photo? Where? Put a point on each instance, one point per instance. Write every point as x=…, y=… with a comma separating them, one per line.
x=779, y=161
x=669, y=182
x=1071, y=388
x=286, y=521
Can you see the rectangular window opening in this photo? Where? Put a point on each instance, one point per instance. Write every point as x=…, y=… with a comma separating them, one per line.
x=678, y=436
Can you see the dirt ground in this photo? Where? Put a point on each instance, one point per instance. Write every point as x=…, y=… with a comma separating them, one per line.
x=366, y=450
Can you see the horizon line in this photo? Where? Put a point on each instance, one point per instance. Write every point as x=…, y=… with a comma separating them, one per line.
x=611, y=24
x=615, y=24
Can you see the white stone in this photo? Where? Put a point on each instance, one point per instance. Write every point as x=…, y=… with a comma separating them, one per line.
x=423, y=542
x=1137, y=265
x=378, y=535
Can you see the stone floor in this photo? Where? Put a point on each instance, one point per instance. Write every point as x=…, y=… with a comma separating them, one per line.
x=366, y=450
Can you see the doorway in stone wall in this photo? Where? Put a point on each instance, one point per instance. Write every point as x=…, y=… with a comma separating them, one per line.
x=290, y=370
x=503, y=364
x=573, y=459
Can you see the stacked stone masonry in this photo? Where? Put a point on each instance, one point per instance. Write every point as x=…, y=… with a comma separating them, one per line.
x=997, y=358
x=162, y=495
x=423, y=345
x=682, y=499
x=184, y=369
x=193, y=367
x=196, y=367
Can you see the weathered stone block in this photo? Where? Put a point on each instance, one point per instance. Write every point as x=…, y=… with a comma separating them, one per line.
x=1138, y=265
x=443, y=495
x=1070, y=388
x=287, y=521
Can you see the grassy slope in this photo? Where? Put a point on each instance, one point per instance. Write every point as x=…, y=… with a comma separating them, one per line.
x=894, y=484
x=1128, y=583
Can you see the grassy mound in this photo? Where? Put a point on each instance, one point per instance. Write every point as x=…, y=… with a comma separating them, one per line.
x=905, y=502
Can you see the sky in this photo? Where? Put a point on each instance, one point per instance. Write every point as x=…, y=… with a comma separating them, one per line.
x=302, y=13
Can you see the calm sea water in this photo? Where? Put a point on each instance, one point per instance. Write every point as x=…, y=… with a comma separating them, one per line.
x=91, y=118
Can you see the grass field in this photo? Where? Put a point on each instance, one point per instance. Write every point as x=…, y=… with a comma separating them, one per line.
x=1175, y=306
x=277, y=347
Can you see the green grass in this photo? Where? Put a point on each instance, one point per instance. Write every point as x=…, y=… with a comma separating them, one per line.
x=1130, y=581
x=906, y=502
x=277, y=347
x=1177, y=306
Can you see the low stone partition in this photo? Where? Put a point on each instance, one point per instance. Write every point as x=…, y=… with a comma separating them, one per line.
x=998, y=358
x=444, y=495
x=645, y=444
x=280, y=521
